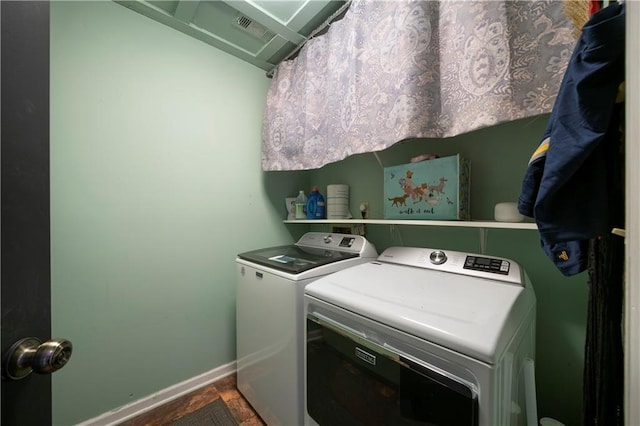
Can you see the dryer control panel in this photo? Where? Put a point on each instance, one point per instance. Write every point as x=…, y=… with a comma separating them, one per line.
x=487, y=264
x=470, y=264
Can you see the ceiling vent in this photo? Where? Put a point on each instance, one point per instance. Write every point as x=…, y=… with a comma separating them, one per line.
x=251, y=27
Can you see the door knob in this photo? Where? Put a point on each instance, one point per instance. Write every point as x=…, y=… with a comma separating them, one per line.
x=32, y=355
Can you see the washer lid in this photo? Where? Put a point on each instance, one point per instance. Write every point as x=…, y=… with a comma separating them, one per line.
x=313, y=249
x=294, y=259
x=471, y=315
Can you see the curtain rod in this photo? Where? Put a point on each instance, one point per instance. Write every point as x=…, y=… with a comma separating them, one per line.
x=321, y=28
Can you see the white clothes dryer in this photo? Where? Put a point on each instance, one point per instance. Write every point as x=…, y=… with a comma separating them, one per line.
x=421, y=337
x=270, y=317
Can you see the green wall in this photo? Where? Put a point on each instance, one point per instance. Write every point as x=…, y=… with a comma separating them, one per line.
x=156, y=185
x=499, y=157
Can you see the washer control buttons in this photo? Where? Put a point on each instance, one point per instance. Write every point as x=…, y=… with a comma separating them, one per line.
x=347, y=242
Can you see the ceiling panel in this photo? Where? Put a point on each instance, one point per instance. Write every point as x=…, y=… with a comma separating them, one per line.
x=282, y=10
x=259, y=32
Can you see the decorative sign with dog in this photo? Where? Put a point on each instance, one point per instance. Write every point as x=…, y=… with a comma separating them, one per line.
x=434, y=189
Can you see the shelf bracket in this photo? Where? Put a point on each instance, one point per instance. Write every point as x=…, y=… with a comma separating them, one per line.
x=375, y=154
x=483, y=240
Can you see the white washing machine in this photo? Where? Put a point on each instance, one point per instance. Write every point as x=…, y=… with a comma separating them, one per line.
x=270, y=317
x=421, y=336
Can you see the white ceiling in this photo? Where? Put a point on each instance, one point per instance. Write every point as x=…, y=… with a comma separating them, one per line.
x=259, y=32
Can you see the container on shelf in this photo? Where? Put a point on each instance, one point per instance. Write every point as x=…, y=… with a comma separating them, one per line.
x=436, y=189
x=338, y=202
x=301, y=205
x=315, y=205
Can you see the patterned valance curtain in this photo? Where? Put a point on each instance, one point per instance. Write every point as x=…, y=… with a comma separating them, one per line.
x=392, y=70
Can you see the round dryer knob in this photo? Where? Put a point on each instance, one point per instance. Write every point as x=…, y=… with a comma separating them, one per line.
x=438, y=257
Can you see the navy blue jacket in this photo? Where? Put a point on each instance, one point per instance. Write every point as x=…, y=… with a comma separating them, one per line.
x=565, y=187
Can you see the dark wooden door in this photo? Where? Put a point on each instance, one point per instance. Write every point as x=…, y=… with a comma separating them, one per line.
x=25, y=287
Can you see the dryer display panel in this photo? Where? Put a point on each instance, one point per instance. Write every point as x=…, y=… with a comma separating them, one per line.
x=487, y=264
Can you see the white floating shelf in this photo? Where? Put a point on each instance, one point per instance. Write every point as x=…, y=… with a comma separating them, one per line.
x=449, y=223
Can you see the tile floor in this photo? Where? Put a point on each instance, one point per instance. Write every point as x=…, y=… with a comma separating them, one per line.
x=225, y=389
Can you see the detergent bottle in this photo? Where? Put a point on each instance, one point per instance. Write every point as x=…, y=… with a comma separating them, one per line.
x=315, y=205
x=301, y=205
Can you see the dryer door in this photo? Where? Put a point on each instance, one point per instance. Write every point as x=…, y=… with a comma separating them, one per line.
x=352, y=380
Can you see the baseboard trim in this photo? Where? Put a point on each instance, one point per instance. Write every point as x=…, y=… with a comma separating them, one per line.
x=129, y=411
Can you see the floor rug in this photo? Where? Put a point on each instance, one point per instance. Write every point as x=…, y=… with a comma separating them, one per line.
x=214, y=414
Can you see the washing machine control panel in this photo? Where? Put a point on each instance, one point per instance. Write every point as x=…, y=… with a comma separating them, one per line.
x=346, y=242
x=487, y=264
